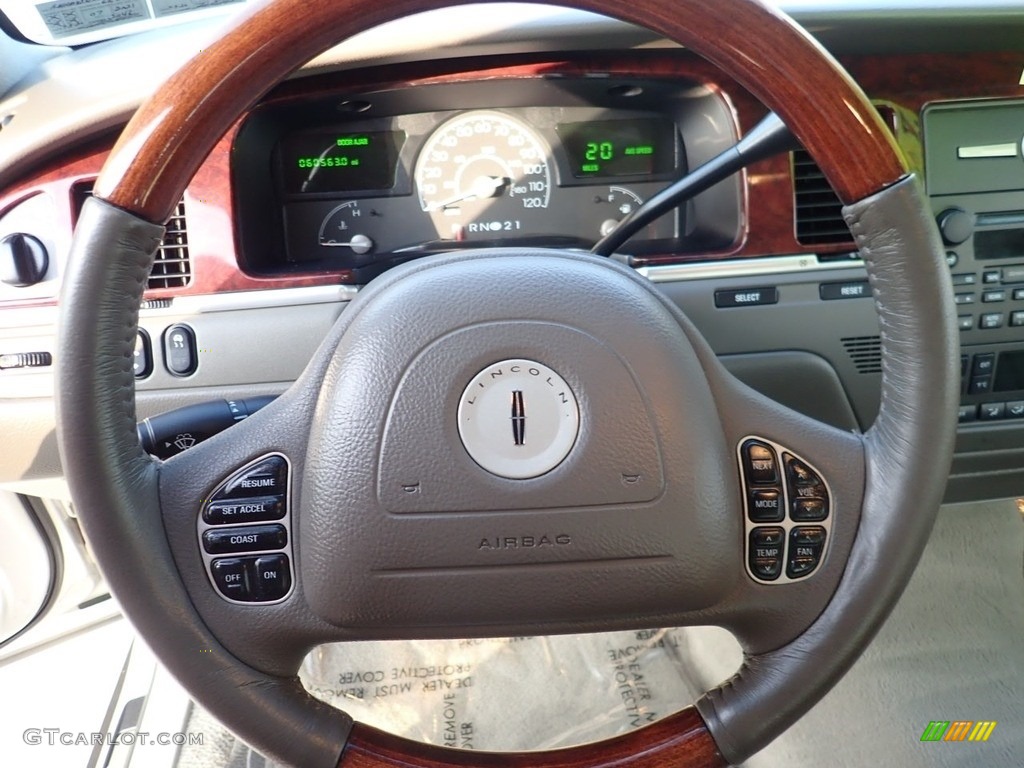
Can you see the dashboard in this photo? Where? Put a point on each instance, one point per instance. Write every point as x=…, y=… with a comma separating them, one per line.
x=532, y=138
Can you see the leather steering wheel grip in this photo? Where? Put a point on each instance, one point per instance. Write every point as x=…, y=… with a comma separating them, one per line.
x=114, y=484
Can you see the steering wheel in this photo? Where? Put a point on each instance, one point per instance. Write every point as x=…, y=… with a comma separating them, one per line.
x=663, y=492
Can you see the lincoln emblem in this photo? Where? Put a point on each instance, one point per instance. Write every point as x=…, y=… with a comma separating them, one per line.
x=518, y=417
x=496, y=398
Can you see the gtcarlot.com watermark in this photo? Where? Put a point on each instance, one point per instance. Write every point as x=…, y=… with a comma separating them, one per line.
x=52, y=737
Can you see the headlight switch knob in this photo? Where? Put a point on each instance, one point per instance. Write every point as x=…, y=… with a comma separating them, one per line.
x=23, y=260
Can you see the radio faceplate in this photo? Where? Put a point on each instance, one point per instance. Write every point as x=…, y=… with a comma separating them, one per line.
x=975, y=177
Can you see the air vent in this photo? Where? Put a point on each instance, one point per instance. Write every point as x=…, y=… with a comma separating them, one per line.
x=819, y=213
x=865, y=352
x=172, y=267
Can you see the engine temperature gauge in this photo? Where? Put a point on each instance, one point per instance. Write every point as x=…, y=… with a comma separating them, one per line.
x=341, y=229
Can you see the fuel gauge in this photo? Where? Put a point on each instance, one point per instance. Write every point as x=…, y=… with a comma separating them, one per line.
x=617, y=203
x=343, y=228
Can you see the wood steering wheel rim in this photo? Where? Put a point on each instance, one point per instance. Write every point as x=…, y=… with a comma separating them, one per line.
x=173, y=132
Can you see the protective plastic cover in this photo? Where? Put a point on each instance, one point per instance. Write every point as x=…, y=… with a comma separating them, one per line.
x=513, y=693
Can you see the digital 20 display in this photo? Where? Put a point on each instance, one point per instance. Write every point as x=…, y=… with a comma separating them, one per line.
x=325, y=161
x=606, y=148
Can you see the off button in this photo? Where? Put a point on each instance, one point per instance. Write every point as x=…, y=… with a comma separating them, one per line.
x=748, y=297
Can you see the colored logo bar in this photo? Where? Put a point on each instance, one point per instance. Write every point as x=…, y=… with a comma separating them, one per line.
x=958, y=730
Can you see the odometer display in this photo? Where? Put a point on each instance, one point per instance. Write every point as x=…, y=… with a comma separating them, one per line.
x=483, y=175
x=325, y=161
x=608, y=148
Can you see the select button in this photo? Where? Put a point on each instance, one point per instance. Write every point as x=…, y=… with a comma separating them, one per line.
x=748, y=297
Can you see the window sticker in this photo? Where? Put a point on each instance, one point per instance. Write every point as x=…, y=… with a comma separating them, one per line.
x=71, y=17
x=170, y=7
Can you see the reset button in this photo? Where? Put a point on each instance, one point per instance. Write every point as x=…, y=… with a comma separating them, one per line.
x=855, y=289
x=748, y=297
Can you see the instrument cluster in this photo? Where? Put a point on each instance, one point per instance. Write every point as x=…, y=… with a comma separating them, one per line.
x=367, y=191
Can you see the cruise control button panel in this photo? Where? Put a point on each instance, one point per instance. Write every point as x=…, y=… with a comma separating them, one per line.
x=244, y=532
x=787, y=511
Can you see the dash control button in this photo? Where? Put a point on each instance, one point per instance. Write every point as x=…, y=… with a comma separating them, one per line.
x=142, y=355
x=180, y=355
x=260, y=509
x=992, y=411
x=748, y=297
x=266, y=478
x=984, y=362
x=991, y=320
x=759, y=463
x=854, y=289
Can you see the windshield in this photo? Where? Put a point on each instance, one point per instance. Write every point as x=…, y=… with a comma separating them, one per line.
x=78, y=22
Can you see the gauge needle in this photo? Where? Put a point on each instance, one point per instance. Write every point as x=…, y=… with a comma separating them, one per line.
x=482, y=187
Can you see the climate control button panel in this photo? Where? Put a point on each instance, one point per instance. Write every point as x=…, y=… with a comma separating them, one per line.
x=245, y=535
x=787, y=509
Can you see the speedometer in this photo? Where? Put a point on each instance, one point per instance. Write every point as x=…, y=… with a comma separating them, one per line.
x=483, y=175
